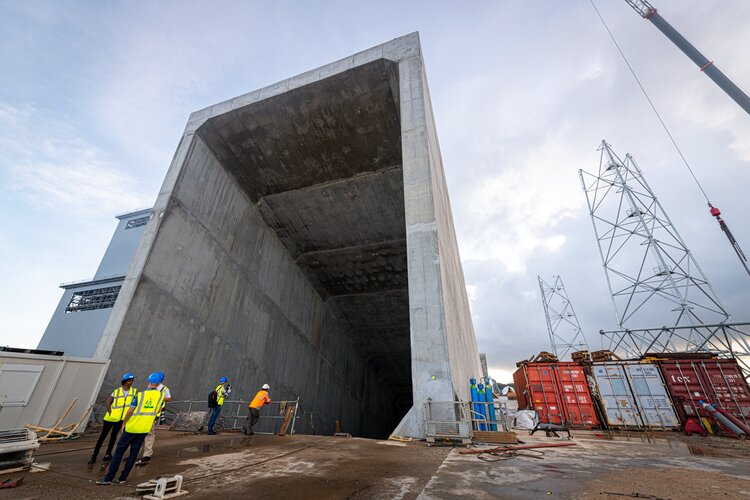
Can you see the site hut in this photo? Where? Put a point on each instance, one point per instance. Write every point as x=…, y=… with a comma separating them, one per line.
x=303, y=237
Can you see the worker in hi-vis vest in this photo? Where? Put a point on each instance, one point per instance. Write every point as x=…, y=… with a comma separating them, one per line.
x=260, y=399
x=118, y=403
x=220, y=393
x=138, y=421
x=148, y=444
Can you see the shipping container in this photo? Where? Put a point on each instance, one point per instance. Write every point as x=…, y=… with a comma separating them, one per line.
x=634, y=395
x=558, y=392
x=718, y=381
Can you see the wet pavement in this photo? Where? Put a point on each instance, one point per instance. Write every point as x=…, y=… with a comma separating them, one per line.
x=582, y=471
x=600, y=465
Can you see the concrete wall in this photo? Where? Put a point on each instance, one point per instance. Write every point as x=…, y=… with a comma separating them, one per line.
x=221, y=296
x=444, y=348
x=303, y=238
x=55, y=381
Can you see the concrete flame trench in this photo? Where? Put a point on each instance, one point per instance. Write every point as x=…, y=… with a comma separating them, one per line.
x=303, y=238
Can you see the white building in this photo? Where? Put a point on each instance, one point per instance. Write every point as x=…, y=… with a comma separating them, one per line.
x=80, y=317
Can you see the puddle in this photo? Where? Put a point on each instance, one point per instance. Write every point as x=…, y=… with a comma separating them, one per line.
x=640, y=437
x=695, y=449
x=232, y=444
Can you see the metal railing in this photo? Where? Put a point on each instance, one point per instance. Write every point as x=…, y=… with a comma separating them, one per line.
x=234, y=414
x=480, y=420
x=447, y=420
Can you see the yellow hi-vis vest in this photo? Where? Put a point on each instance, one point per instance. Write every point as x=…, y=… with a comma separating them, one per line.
x=219, y=394
x=163, y=391
x=120, y=402
x=149, y=404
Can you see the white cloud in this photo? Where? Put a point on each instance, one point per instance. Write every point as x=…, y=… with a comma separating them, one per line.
x=49, y=164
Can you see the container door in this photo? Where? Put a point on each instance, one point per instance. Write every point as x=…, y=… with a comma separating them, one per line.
x=651, y=396
x=686, y=387
x=724, y=379
x=576, y=397
x=544, y=394
x=618, y=403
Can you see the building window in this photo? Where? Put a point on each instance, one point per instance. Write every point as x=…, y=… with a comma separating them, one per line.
x=88, y=300
x=133, y=223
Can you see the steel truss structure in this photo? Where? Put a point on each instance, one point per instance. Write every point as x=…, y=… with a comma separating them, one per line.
x=650, y=270
x=565, y=333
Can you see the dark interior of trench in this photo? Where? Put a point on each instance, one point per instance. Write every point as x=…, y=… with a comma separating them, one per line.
x=323, y=164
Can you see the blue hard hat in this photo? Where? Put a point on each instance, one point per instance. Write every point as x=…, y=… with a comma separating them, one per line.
x=127, y=376
x=155, y=378
x=161, y=377
x=223, y=380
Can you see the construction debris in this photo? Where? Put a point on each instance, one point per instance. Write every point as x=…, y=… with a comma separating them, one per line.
x=604, y=355
x=161, y=488
x=503, y=449
x=57, y=433
x=17, y=448
x=499, y=437
x=11, y=483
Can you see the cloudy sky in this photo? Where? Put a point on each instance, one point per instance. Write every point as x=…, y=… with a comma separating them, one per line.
x=94, y=97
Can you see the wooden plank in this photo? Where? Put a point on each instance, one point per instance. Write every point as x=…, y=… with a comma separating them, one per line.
x=495, y=437
x=287, y=420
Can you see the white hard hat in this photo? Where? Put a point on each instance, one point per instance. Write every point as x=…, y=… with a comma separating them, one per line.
x=265, y=386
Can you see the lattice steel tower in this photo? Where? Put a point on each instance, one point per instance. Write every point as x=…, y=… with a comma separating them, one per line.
x=565, y=333
x=650, y=270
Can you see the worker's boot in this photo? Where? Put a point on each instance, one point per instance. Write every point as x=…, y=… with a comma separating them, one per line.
x=92, y=460
x=107, y=458
x=143, y=461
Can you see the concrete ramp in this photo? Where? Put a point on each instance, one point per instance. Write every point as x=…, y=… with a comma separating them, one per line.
x=303, y=238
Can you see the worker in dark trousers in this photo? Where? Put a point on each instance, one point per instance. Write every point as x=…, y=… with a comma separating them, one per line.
x=222, y=391
x=148, y=443
x=117, y=404
x=139, y=420
x=260, y=399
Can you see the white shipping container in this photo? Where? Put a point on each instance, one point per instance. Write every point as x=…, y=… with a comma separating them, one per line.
x=634, y=395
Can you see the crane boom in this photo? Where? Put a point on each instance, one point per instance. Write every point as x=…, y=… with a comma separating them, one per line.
x=648, y=11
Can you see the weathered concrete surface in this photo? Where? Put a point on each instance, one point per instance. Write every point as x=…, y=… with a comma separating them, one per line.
x=303, y=238
x=706, y=468
x=297, y=466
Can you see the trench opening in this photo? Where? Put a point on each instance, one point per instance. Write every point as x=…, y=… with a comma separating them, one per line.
x=322, y=165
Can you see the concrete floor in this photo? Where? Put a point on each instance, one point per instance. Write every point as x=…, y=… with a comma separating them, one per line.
x=233, y=466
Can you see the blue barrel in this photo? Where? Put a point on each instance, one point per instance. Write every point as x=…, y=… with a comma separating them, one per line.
x=491, y=406
x=474, y=399
x=482, y=408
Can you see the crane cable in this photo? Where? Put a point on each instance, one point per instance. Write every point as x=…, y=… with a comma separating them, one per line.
x=714, y=211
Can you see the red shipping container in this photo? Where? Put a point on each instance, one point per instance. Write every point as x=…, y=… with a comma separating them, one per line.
x=558, y=392
x=717, y=381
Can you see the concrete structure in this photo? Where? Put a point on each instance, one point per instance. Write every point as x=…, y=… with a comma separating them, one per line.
x=77, y=324
x=36, y=389
x=303, y=238
x=483, y=363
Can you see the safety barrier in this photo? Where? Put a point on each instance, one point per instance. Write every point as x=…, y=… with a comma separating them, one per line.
x=234, y=414
x=480, y=420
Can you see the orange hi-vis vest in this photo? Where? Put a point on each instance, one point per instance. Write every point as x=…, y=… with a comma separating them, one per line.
x=260, y=399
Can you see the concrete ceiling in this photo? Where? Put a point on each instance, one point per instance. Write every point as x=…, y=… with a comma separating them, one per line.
x=323, y=164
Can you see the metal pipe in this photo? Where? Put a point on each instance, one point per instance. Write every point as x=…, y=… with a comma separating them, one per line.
x=706, y=66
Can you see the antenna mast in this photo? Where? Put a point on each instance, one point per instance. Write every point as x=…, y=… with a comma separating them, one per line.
x=650, y=270
x=565, y=333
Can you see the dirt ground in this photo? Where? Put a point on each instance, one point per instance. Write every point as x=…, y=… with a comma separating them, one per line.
x=599, y=465
x=665, y=484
